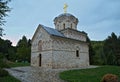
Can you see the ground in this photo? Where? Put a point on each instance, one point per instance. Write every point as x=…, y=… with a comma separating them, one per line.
x=37, y=74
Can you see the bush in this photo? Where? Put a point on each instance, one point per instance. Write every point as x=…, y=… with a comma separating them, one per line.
x=3, y=63
x=3, y=73
x=110, y=78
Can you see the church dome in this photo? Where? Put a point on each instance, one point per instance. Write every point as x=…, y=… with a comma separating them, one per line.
x=66, y=14
x=65, y=20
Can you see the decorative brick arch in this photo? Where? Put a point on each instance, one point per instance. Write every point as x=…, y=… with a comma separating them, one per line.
x=40, y=46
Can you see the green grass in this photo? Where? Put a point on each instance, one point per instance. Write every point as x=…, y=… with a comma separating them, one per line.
x=89, y=75
x=9, y=79
x=18, y=64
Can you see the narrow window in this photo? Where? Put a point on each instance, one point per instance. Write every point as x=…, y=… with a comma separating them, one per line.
x=64, y=25
x=77, y=53
x=40, y=59
x=71, y=25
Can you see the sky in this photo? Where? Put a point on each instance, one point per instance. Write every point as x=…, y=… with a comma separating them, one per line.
x=98, y=18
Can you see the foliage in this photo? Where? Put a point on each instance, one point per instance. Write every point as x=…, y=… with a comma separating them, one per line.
x=109, y=78
x=9, y=79
x=98, y=57
x=4, y=45
x=23, y=49
x=3, y=73
x=112, y=50
x=19, y=53
x=3, y=12
x=18, y=64
x=7, y=50
x=91, y=51
x=106, y=52
x=89, y=75
x=3, y=64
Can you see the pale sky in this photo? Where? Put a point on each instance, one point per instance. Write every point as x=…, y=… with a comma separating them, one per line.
x=98, y=18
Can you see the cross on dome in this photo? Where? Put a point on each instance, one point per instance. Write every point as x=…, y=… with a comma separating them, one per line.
x=65, y=8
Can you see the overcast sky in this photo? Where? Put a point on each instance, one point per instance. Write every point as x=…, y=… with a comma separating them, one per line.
x=96, y=17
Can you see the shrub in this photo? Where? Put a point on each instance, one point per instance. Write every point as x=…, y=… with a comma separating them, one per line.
x=3, y=73
x=3, y=63
x=109, y=78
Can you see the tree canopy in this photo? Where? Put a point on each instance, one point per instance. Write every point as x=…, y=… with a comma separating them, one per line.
x=4, y=8
x=107, y=51
x=23, y=49
x=20, y=52
x=112, y=50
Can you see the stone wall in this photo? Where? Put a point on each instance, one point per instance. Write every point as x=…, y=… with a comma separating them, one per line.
x=58, y=52
x=47, y=59
x=40, y=36
x=64, y=53
x=73, y=34
x=35, y=59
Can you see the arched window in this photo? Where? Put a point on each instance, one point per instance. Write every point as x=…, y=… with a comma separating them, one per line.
x=64, y=25
x=40, y=46
x=58, y=26
x=77, y=53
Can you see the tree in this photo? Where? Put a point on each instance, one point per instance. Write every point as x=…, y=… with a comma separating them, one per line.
x=23, y=49
x=7, y=51
x=98, y=57
x=3, y=13
x=22, y=42
x=112, y=50
x=5, y=45
x=91, y=51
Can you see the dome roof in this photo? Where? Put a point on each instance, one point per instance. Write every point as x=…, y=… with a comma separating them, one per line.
x=65, y=15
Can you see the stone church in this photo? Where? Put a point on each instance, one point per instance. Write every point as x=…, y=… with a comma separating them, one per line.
x=62, y=47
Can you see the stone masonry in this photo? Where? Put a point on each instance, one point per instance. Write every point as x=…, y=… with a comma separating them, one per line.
x=62, y=47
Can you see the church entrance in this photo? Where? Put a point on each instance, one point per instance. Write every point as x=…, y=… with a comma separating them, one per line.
x=39, y=59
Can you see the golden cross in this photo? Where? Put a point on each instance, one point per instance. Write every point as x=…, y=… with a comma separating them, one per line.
x=65, y=8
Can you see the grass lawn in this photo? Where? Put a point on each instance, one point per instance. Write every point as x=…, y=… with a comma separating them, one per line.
x=89, y=75
x=18, y=64
x=8, y=79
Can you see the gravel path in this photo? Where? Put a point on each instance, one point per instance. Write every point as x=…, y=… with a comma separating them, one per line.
x=38, y=74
